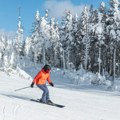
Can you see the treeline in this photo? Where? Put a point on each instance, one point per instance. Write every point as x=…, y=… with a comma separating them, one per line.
x=91, y=40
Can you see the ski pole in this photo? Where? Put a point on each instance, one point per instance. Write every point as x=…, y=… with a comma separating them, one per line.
x=22, y=88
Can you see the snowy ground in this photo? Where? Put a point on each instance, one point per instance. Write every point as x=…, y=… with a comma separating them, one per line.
x=82, y=103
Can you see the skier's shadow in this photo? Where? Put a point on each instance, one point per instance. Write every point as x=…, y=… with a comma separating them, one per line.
x=15, y=96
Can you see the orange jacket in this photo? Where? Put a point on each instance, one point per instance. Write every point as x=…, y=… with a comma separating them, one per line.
x=42, y=77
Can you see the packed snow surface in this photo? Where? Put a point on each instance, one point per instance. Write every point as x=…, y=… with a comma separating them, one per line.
x=82, y=101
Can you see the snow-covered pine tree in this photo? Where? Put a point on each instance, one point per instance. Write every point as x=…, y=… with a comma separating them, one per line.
x=19, y=38
x=58, y=46
x=102, y=37
x=66, y=36
x=35, y=40
x=85, y=34
x=45, y=30
x=93, y=52
x=55, y=43
x=2, y=50
x=28, y=44
x=99, y=30
x=75, y=44
x=6, y=49
x=62, y=39
x=113, y=32
x=40, y=38
x=18, y=43
x=102, y=10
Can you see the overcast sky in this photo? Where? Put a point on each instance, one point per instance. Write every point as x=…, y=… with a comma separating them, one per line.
x=9, y=11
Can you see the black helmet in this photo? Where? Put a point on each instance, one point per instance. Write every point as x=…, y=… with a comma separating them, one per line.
x=47, y=67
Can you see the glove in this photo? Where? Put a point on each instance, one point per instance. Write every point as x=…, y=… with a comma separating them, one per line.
x=52, y=84
x=32, y=84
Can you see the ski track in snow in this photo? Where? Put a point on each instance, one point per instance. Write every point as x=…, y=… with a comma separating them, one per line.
x=4, y=113
x=9, y=110
x=15, y=109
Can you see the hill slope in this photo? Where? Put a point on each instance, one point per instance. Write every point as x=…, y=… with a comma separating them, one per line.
x=82, y=104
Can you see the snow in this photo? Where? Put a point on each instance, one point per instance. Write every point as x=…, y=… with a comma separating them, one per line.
x=37, y=15
x=82, y=101
x=103, y=4
x=99, y=29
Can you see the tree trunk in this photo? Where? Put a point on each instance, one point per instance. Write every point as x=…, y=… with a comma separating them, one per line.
x=99, y=60
x=86, y=56
x=114, y=64
x=63, y=60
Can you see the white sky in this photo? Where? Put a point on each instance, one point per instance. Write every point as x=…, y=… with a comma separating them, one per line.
x=57, y=9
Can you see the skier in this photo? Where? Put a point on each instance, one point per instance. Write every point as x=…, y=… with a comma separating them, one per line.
x=40, y=80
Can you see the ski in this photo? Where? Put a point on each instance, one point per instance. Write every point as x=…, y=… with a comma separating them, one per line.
x=53, y=104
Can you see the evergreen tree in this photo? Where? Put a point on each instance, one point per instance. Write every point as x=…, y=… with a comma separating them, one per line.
x=35, y=39
x=113, y=30
x=40, y=38
x=85, y=33
x=19, y=38
x=53, y=51
x=75, y=44
x=67, y=36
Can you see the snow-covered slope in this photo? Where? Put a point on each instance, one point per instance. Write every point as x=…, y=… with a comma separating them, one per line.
x=80, y=103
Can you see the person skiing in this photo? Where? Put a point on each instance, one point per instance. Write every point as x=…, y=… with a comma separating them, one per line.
x=40, y=81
